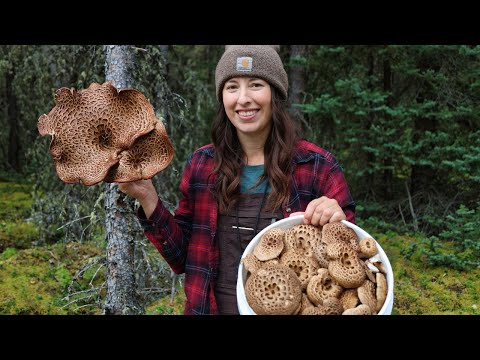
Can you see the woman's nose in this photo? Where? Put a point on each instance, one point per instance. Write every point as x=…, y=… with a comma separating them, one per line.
x=244, y=96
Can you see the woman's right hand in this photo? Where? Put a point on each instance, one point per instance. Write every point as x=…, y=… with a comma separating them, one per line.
x=143, y=191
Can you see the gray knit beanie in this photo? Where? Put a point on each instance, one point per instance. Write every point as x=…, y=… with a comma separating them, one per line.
x=260, y=61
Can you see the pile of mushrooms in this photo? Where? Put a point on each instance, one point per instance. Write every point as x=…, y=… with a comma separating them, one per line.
x=308, y=270
x=102, y=134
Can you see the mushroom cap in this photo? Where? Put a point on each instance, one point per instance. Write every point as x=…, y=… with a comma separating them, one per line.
x=314, y=310
x=90, y=127
x=304, y=266
x=361, y=309
x=305, y=303
x=322, y=286
x=149, y=154
x=337, y=231
x=366, y=294
x=333, y=306
x=303, y=237
x=270, y=245
x=345, y=266
x=381, y=291
x=320, y=253
x=349, y=299
x=273, y=290
x=271, y=261
x=251, y=263
x=368, y=247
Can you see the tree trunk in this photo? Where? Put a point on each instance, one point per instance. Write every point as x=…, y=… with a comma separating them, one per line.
x=297, y=80
x=387, y=173
x=120, y=222
x=12, y=113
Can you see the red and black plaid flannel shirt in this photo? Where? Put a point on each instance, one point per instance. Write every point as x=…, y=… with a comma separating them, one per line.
x=187, y=239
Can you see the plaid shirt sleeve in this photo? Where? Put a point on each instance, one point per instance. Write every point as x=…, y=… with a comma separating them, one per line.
x=317, y=174
x=169, y=233
x=336, y=187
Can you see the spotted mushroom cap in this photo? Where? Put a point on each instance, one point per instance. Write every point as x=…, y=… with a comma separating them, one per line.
x=90, y=127
x=320, y=253
x=270, y=245
x=333, y=306
x=149, y=154
x=322, y=286
x=251, y=263
x=368, y=247
x=304, y=266
x=367, y=296
x=271, y=261
x=361, y=309
x=305, y=303
x=303, y=237
x=273, y=290
x=349, y=299
x=337, y=231
x=345, y=266
x=314, y=310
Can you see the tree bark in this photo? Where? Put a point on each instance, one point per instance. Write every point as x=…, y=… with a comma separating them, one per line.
x=387, y=173
x=297, y=81
x=13, y=119
x=120, y=222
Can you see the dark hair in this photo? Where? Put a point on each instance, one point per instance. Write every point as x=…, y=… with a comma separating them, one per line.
x=279, y=150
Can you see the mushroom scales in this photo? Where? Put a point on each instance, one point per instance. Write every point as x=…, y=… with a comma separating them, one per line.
x=102, y=134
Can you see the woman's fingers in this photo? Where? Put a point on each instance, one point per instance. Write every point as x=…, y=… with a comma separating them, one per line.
x=323, y=210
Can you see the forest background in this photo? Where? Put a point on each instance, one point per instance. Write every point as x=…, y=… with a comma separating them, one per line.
x=403, y=121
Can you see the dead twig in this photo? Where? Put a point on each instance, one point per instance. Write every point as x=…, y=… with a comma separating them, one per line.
x=414, y=217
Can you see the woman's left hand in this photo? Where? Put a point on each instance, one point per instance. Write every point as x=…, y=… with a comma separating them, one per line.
x=321, y=211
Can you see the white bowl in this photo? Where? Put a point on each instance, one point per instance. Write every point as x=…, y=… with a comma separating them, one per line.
x=245, y=309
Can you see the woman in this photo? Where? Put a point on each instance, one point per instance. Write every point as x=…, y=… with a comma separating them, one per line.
x=256, y=171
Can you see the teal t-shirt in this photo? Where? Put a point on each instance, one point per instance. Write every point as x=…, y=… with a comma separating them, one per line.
x=249, y=177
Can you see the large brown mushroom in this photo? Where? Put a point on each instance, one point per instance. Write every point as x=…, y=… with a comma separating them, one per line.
x=274, y=290
x=304, y=266
x=345, y=266
x=303, y=238
x=337, y=231
x=270, y=245
x=91, y=127
x=149, y=154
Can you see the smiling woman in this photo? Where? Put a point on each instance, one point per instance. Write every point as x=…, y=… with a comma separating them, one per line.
x=257, y=170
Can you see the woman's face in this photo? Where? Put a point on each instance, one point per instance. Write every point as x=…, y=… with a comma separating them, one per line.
x=248, y=104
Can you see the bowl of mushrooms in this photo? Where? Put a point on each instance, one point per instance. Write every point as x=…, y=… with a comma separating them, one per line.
x=290, y=268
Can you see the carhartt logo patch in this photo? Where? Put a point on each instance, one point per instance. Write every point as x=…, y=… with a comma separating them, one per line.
x=244, y=64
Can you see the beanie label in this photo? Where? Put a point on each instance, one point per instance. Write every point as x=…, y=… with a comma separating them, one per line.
x=244, y=64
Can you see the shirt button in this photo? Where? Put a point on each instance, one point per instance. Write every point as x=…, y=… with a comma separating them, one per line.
x=288, y=210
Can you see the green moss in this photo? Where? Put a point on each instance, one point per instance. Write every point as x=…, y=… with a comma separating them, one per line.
x=63, y=276
x=15, y=200
x=33, y=281
x=163, y=306
x=423, y=289
x=9, y=252
x=15, y=204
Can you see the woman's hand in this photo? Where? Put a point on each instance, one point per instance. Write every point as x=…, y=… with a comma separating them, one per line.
x=144, y=192
x=321, y=211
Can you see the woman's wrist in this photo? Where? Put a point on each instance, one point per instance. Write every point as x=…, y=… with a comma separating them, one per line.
x=149, y=205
